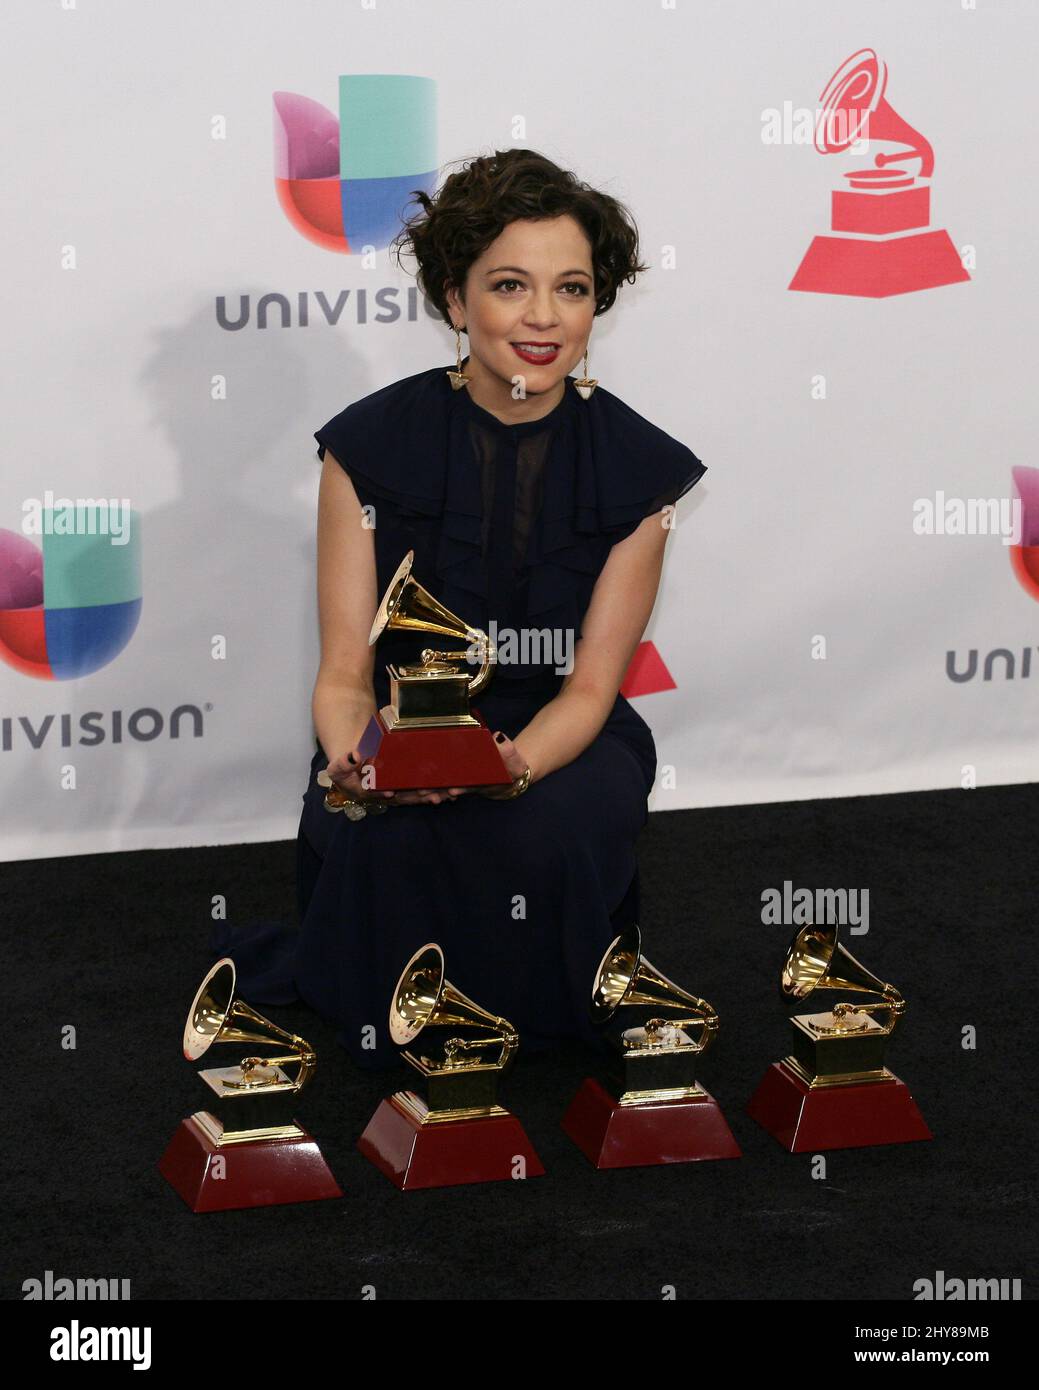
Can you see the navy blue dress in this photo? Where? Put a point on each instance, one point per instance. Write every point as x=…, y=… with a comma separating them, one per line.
x=511, y=526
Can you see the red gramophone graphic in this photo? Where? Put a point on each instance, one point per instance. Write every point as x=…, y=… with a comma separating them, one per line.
x=882, y=243
x=1025, y=556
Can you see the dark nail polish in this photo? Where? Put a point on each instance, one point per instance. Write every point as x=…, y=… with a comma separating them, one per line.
x=499, y=738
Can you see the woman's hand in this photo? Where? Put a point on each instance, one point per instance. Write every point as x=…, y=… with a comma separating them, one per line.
x=515, y=766
x=346, y=772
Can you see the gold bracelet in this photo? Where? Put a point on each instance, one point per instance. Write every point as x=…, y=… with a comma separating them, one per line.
x=338, y=800
x=519, y=786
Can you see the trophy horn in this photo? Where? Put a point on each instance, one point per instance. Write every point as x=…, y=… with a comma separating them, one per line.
x=625, y=977
x=216, y=1016
x=817, y=959
x=425, y=998
x=408, y=606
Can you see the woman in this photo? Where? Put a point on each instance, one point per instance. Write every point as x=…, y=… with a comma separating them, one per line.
x=534, y=509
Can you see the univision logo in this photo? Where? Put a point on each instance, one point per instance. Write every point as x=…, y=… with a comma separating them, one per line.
x=70, y=605
x=344, y=182
x=1025, y=561
x=1025, y=557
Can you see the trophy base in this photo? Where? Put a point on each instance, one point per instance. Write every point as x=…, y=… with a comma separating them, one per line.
x=406, y=758
x=450, y=1152
x=806, y=1119
x=615, y=1135
x=879, y=269
x=261, y=1173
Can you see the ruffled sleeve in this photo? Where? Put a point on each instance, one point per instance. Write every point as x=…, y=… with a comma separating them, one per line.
x=627, y=468
x=680, y=471
x=406, y=449
x=614, y=469
x=388, y=443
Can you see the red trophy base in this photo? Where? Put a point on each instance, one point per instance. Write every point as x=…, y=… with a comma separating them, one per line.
x=263, y=1173
x=404, y=759
x=878, y=269
x=835, y=1117
x=447, y=1152
x=612, y=1135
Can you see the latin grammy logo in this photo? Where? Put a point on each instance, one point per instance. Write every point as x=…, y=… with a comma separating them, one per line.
x=880, y=241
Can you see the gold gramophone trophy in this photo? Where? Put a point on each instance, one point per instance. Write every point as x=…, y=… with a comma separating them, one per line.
x=459, y=1133
x=245, y=1150
x=833, y=1090
x=427, y=736
x=656, y=1111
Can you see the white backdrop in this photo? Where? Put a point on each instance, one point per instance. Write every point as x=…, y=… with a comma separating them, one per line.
x=805, y=624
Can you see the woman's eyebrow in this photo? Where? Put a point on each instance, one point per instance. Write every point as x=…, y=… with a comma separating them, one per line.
x=519, y=269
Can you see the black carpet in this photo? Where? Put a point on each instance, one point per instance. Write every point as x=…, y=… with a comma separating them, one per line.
x=115, y=945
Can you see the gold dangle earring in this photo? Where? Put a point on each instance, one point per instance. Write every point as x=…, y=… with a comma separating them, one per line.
x=458, y=378
x=584, y=385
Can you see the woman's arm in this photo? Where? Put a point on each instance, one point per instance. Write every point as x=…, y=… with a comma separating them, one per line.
x=620, y=608
x=344, y=692
x=344, y=695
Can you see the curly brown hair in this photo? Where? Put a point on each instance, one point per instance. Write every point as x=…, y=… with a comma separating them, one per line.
x=474, y=205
